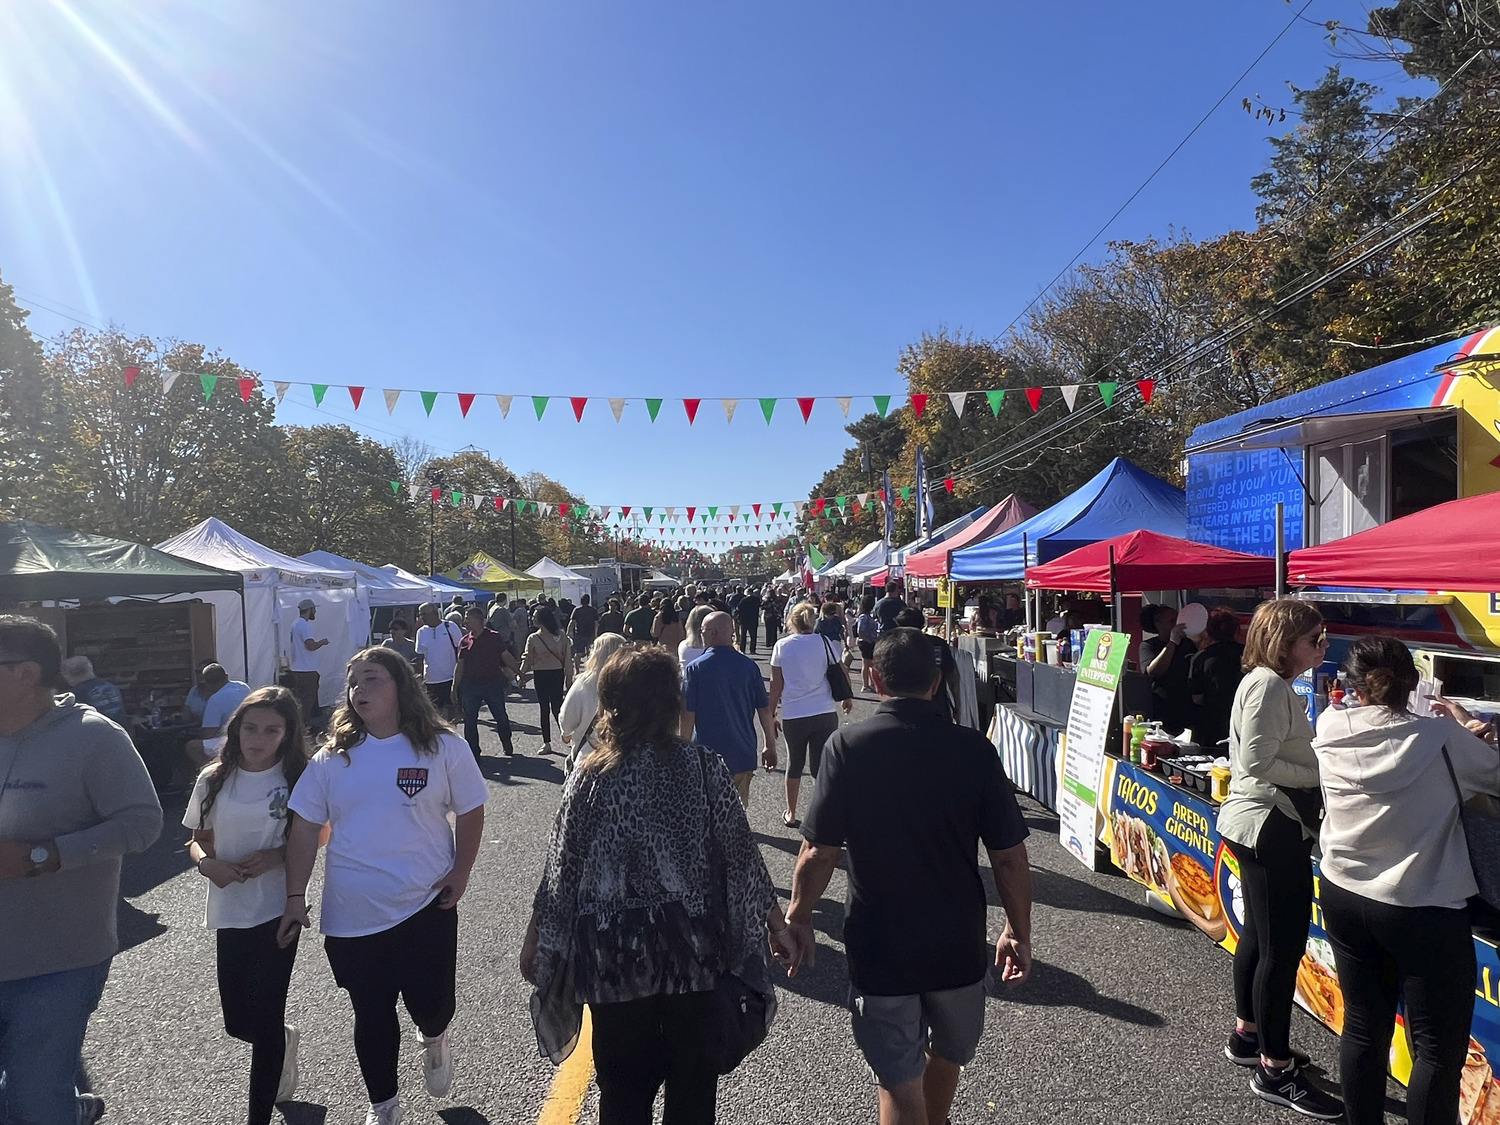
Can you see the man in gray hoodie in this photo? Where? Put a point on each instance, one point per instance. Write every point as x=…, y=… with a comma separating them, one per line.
x=74, y=797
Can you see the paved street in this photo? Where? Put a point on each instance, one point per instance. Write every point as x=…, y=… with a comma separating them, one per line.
x=1122, y=1022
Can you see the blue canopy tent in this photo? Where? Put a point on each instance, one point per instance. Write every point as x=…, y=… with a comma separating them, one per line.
x=947, y=531
x=1119, y=499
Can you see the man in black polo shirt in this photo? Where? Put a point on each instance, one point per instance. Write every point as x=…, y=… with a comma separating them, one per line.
x=911, y=796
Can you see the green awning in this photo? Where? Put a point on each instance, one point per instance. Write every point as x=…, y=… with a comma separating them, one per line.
x=41, y=563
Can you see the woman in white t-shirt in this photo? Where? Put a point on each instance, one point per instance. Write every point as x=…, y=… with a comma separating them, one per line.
x=239, y=817
x=799, y=687
x=385, y=784
x=692, y=645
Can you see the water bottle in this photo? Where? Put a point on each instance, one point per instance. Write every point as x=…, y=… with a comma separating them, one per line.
x=155, y=708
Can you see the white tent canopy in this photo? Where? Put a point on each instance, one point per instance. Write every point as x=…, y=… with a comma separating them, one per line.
x=559, y=580
x=274, y=584
x=381, y=586
x=867, y=561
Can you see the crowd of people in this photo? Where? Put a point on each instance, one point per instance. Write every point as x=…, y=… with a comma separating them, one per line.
x=655, y=902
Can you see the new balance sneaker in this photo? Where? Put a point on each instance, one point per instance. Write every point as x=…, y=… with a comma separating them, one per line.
x=1291, y=1088
x=90, y=1108
x=289, y=1070
x=386, y=1113
x=437, y=1065
x=1243, y=1049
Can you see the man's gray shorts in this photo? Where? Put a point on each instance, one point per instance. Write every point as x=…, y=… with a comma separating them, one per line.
x=896, y=1032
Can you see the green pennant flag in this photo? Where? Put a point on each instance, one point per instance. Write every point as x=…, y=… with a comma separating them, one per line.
x=653, y=407
x=209, y=382
x=458, y=498
x=816, y=557
x=997, y=399
x=428, y=399
x=319, y=390
x=882, y=404
x=905, y=492
x=1107, y=393
x=396, y=487
x=841, y=501
x=713, y=512
x=777, y=507
x=768, y=407
x=539, y=402
x=648, y=510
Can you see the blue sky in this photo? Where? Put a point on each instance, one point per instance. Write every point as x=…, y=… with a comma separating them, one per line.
x=587, y=198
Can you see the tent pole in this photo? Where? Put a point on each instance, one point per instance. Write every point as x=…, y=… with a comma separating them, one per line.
x=1025, y=593
x=1116, y=611
x=244, y=631
x=1280, y=551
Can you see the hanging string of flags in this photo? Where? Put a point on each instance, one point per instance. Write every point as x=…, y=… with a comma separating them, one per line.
x=919, y=402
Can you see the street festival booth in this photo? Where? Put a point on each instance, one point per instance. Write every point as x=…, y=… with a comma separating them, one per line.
x=387, y=593
x=859, y=567
x=442, y=589
x=559, y=581
x=925, y=567
x=485, y=572
x=102, y=597
x=1384, y=482
x=259, y=649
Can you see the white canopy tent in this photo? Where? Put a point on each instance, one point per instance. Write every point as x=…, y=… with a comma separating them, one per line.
x=381, y=586
x=274, y=584
x=868, y=560
x=559, y=581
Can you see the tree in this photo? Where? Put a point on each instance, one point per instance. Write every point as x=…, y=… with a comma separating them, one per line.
x=31, y=415
x=338, y=497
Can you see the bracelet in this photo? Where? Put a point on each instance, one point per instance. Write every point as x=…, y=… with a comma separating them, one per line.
x=786, y=927
x=300, y=894
x=201, y=862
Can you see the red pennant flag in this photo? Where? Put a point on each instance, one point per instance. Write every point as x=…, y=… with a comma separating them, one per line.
x=1034, y=396
x=918, y=404
x=1148, y=388
x=437, y=494
x=690, y=512
x=355, y=394
x=818, y=505
x=948, y=484
x=464, y=402
x=247, y=387
x=499, y=503
x=131, y=375
x=756, y=509
x=578, y=405
x=624, y=511
x=691, y=406
x=562, y=509
x=805, y=405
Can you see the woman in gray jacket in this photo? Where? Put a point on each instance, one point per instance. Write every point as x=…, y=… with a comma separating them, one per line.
x=1396, y=880
x=1272, y=768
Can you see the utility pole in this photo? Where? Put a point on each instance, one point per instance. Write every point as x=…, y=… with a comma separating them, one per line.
x=513, y=534
x=436, y=484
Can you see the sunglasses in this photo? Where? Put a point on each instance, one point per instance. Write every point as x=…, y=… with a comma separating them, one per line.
x=1320, y=640
x=9, y=662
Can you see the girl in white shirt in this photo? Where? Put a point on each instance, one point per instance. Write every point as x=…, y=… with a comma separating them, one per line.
x=239, y=817
x=385, y=784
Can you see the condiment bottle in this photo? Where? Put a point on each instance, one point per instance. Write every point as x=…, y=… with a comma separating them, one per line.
x=1125, y=737
x=1137, y=736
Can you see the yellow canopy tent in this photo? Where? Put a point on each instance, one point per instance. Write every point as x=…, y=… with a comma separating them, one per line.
x=484, y=572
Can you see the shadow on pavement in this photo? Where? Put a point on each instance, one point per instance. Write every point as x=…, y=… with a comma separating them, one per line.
x=303, y=1113
x=463, y=1115
x=135, y=926
x=1053, y=987
x=523, y=767
x=827, y=982
x=1048, y=888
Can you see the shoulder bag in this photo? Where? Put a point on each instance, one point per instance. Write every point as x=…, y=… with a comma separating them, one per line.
x=836, y=675
x=1482, y=832
x=737, y=1024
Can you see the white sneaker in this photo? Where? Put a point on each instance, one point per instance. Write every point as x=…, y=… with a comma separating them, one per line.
x=437, y=1065
x=289, y=1071
x=386, y=1113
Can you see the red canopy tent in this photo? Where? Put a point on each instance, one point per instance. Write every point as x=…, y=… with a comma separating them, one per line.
x=933, y=562
x=1145, y=560
x=1454, y=547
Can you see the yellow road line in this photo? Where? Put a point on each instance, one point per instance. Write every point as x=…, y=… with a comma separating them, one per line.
x=570, y=1084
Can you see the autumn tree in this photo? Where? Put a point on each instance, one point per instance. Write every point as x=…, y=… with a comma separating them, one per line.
x=32, y=416
x=338, y=497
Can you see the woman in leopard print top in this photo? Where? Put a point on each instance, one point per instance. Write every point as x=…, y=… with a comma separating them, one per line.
x=628, y=918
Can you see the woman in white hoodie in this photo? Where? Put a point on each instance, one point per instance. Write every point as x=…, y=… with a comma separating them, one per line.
x=1396, y=881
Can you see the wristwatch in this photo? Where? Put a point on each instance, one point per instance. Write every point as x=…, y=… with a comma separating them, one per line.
x=39, y=855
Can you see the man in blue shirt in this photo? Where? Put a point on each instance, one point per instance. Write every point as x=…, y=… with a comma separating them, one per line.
x=88, y=688
x=222, y=697
x=725, y=693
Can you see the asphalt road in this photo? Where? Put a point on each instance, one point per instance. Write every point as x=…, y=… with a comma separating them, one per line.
x=1123, y=1020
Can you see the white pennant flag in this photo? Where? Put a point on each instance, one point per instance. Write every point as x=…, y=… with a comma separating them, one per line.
x=281, y=390
x=799, y=505
x=617, y=406
x=545, y=509
x=390, y=401
x=415, y=491
x=844, y=402
x=672, y=514
x=958, y=398
x=168, y=378
x=478, y=502
x=504, y=401
x=729, y=406
x=864, y=498
x=1070, y=395
x=734, y=512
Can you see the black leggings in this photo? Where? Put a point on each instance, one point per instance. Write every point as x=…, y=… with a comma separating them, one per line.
x=641, y=1044
x=254, y=975
x=549, y=698
x=1424, y=955
x=805, y=739
x=416, y=960
x=1276, y=879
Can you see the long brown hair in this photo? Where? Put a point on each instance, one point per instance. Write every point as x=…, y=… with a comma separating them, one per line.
x=292, y=753
x=1273, y=633
x=420, y=721
x=640, y=705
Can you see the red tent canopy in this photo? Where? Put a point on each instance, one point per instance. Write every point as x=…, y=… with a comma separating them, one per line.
x=1145, y=560
x=933, y=562
x=1453, y=547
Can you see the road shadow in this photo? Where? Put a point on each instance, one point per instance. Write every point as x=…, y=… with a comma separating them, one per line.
x=463, y=1115
x=1049, y=888
x=522, y=768
x=1051, y=986
x=165, y=859
x=826, y=982
x=303, y=1113
x=135, y=926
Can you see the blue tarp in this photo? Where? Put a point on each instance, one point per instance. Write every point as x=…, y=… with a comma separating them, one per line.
x=1119, y=499
x=947, y=531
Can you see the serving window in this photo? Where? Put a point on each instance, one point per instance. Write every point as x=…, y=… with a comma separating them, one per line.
x=1364, y=482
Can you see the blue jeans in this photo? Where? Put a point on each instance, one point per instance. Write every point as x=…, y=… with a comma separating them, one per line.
x=42, y=1024
x=475, y=696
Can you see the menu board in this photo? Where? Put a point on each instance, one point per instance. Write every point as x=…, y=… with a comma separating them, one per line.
x=1082, y=769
